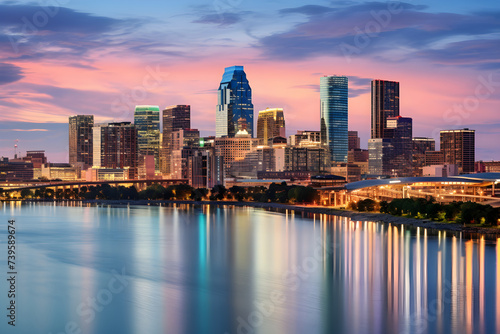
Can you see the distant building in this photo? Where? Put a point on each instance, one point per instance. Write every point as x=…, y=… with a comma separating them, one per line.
x=234, y=149
x=392, y=156
x=147, y=122
x=37, y=158
x=440, y=170
x=385, y=104
x=400, y=131
x=15, y=171
x=421, y=145
x=205, y=168
x=115, y=146
x=307, y=159
x=487, y=167
x=380, y=157
x=306, y=138
x=354, y=140
x=60, y=171
x=107, y=174
x=334, y=116
x=177, y=117
x=434, y=158
x=458, y=147
x=234, y=102
x=80, y=140
x=270, y=124
x=185, y=143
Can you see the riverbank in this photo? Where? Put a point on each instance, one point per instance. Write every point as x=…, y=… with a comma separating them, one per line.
x=468, y=231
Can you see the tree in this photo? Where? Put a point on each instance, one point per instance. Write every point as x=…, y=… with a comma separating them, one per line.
x=26, y=193
x=219, y=192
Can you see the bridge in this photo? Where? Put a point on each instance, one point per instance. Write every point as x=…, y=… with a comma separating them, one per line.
x=16, y=186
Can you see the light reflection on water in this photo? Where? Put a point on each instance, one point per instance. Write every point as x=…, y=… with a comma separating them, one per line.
x=242, y=270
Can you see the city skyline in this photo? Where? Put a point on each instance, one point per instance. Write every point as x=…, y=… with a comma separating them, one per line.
x=50, y=76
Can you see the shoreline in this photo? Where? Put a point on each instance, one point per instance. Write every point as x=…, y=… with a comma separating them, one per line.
x=454, y=228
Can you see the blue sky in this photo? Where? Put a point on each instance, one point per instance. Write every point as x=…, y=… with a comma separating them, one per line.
x=91, y=57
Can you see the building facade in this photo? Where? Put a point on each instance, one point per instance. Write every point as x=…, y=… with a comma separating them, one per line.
x=458, y=147
x=115, y=146
x=176, y=117
x=334, y=116
x=234, y=102
x=80, y=140
x=147, y=122
x=270, y=124
x=385, y=104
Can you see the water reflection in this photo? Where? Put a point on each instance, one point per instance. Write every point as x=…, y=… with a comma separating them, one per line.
x=226, y=270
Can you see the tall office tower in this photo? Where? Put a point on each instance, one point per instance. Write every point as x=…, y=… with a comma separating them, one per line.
x=400, y=131
x=385, y=104
x=80, y=140
x=115, y=146
x=234, y=102
x=458, y=147
x=333, y=94
x=354, y=141
x=177, y=117
x=147, y=122
x=270, y=124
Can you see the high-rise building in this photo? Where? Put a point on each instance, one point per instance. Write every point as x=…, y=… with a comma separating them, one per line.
x=147, y=122
x=400, y=131
x=234, y=149
x=354, y=140
x=115, y=146
x=80, y=140
x=270, y=124
x=421, y=145
x=234, y=102
x=458, y=147
x=385, y=104
x=185, y=142
x=334, y=118
x=380, y=156
x=177, y=117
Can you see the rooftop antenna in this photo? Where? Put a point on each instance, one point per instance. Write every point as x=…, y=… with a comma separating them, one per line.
x=15, y=149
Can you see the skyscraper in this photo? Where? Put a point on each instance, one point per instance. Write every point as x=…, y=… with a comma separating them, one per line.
x=177, y=117
x=334, y=134
x=458, y=147
x=147, y=122
x=80, y=140
x=400, y=131
x=234, y=102
x=270, y=124
x=115, y=146
x=385, y=104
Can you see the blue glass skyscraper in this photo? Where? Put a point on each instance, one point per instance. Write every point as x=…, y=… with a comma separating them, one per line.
x=234, y=102
x=334, y=134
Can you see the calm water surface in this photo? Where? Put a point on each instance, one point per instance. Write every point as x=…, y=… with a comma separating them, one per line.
x=240, y=270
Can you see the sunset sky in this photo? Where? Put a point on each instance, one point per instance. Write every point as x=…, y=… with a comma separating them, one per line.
x=103, y=58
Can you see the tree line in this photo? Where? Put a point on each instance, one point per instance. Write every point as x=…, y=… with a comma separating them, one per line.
x=460, y=212
x=276, y=193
